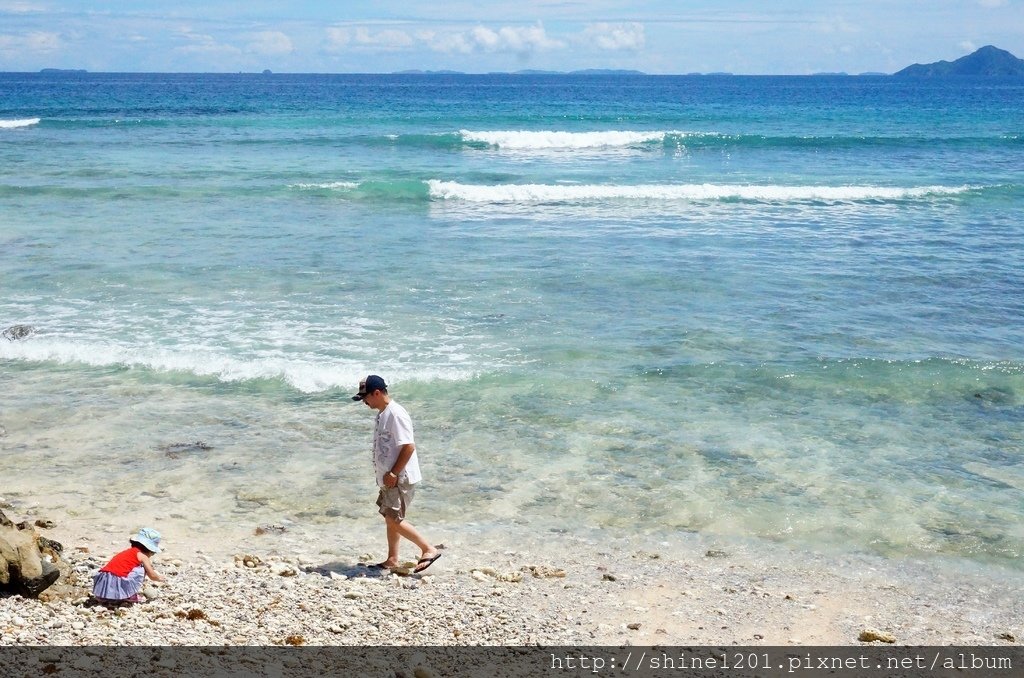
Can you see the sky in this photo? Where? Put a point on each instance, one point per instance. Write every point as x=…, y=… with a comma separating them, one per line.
x=795, y=37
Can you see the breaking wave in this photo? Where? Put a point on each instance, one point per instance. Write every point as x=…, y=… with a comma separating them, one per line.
x=23, y=122
x=305, y=374
x=515, y=193
x=529, y=140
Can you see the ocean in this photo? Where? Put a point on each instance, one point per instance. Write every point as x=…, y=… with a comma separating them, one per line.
x=780, y=309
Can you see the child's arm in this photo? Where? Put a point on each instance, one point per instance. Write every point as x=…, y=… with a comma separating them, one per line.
x=148, y=566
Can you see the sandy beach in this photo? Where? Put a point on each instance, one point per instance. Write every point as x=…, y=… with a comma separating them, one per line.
x=695, y=592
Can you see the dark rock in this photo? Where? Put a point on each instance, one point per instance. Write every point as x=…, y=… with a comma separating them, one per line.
x=22, y=567
x=176, y=450
x=996, y=396
x=50, y=545
x=18, y=332
x=32, y=587
x=270, y=529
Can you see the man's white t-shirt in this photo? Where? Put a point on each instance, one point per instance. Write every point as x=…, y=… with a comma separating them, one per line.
x=392, y=430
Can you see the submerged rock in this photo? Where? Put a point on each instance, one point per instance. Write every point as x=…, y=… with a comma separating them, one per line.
x=176, y=450
x=18, y=332
x=995, y=395
x=270, y=529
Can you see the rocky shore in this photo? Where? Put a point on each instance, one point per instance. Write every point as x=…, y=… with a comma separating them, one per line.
x=693, y=595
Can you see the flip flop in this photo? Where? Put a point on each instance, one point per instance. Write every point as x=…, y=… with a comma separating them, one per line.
x=381, y=566
x=424, y=563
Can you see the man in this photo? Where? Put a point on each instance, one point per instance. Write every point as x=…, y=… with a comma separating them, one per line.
x=397, y=469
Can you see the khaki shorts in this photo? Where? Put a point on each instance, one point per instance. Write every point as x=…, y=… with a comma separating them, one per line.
x=393, y=501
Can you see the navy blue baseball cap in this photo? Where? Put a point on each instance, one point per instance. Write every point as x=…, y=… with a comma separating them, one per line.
x=369, y=385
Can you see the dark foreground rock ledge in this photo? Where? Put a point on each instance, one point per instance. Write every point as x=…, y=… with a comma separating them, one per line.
x=23, y=568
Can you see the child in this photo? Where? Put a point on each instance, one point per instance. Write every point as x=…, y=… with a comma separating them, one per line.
x=120, y=580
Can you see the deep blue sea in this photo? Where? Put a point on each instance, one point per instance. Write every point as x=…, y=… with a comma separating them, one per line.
x=774, y=308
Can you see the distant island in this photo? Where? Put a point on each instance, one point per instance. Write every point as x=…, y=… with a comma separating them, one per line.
x=416, y=71
x=986, y=62
x=588, y=71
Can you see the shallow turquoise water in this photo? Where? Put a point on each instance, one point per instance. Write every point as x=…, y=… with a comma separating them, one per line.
x=782, y=308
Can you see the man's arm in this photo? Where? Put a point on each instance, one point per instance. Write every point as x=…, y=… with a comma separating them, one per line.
x=404, y=453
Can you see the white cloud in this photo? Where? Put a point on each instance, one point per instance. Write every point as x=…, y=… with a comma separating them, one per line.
x=17, y=7
x=993, y=3
x=836, y=24
x=522, y=40
x=200, y=43
x=387, y=40
x=446, y=42
x=36, y=41
x=967, y=46
x=337, y=38
x=627, y=36
x=269, y=43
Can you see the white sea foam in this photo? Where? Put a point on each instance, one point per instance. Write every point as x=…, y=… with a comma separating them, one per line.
x=530, y=140
x=331, y=185
x=306, y=375
x=515, y=193
x=23, y=122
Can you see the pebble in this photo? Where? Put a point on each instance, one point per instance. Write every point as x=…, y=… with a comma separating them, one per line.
x=256, y=605
x=870, y=635
x=284, y=570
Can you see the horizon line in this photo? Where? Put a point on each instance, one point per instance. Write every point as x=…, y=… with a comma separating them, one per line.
x=580, y=71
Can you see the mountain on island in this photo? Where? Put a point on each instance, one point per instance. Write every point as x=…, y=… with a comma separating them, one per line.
x=987, y=62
